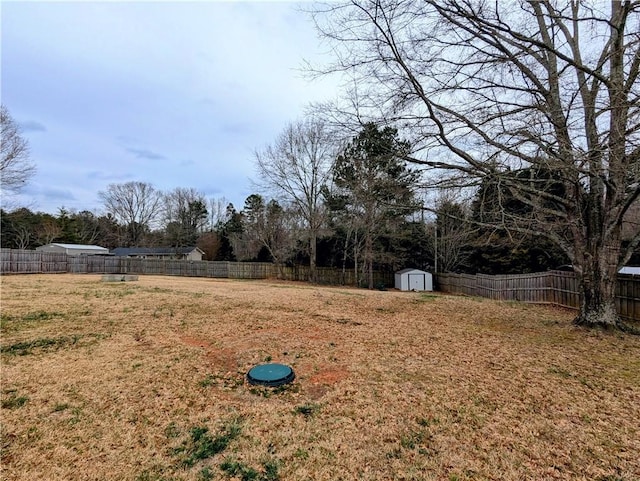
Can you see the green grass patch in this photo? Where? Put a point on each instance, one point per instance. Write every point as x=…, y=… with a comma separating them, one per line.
x=42, y=316
x=301, y=453
x=307, y=410
x=153, y=474
x=49, y=344
x=425, y=422
x=229, y=381
x=418, y=441
x=206, y=474
x=560, y=372
x=427, y=297
x=14, y=401
x=288, y=286
x=60, y=407
x=239, y=470
x=201, y=444
x=207, y=381
x=172, y=430
x=9, y=322
x=242, y=471
x=411, y=440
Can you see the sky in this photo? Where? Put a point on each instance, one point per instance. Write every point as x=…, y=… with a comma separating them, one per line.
x=174, y=94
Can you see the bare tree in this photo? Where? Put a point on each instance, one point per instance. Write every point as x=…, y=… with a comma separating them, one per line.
x=452, y=233
x=281, y=229
x=135, y=205
x=217, y=208
x=269, y=226
x=15, y=166
x=87, y=226
x=23, y=237
x=295, y=169
x=491, y=88
x=49, y=231
x=185, y=215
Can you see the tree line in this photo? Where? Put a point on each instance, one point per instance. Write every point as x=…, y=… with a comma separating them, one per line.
x=358, y=206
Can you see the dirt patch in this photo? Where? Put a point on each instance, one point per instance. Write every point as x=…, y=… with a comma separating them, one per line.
x=195, y=342
x=329, y=376
x=224, y=359
x=323, y=381
x=219, y=358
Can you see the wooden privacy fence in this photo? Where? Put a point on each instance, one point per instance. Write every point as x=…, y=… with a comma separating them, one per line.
x=553, y=287
x=332, y=276
x=14, y=261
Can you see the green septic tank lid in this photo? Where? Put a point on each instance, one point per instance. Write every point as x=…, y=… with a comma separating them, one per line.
x=272, y=375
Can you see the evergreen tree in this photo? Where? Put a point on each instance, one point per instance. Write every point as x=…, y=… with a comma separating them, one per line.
x=373, y=192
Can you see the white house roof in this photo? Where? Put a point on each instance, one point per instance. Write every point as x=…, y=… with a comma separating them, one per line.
x=79, y=246
x=630, y=270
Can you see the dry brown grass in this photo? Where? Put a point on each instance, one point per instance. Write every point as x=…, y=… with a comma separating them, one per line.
x=108, y=381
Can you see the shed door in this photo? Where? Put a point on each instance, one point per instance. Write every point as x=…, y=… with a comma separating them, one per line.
x=416, y=282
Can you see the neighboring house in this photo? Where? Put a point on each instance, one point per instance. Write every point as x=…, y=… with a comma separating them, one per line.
x=74, y=249
x=188, y=253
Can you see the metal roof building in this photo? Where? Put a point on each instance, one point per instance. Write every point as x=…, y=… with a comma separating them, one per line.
x=74, y=249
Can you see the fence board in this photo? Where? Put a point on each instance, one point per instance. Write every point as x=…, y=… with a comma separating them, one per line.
x=552, y=287
x=627, y=297
x=54, y=262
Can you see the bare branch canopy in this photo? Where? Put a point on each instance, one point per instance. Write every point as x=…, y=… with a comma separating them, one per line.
x=16, y=168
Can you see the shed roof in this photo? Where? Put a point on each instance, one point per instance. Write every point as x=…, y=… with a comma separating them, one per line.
x=411, y=269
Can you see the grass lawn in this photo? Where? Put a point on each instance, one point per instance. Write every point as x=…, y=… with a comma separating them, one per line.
x=146, y=381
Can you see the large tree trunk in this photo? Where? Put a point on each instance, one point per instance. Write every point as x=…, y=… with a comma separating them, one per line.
x=598, y=307
x=598, y=281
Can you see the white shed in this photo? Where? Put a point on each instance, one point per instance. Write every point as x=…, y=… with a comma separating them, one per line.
x=414, y=280
x=74, y=249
